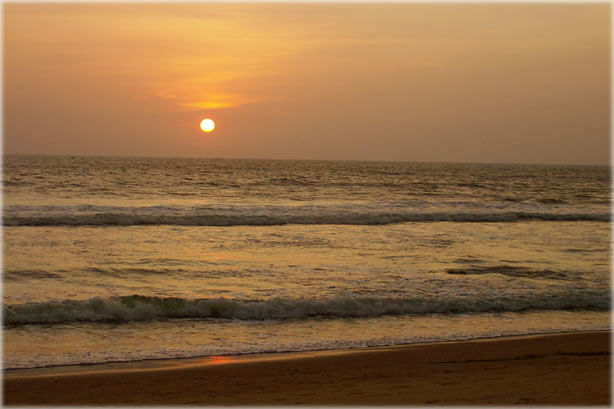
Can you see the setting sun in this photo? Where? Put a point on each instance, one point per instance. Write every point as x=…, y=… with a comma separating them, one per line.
x=207, y=125
x=394, y=181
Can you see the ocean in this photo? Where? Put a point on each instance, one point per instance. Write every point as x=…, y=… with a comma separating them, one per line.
x=124, y=259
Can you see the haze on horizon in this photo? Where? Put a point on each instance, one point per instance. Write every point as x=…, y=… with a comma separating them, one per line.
x=513, y=83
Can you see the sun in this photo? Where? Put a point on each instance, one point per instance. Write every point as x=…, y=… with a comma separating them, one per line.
x=207, y=125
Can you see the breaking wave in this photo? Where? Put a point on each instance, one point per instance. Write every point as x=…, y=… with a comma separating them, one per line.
x=320, y=218
x=145, y=308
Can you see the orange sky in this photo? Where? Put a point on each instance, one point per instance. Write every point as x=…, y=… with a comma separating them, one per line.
x=524, y=83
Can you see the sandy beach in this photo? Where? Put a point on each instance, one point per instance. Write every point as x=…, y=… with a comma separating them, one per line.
x=569, y=368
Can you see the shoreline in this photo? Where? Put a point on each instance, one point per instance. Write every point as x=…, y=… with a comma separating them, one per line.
x=560, y=368
x=177, y=362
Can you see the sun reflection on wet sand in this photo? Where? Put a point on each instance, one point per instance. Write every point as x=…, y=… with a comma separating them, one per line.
x=217, y=359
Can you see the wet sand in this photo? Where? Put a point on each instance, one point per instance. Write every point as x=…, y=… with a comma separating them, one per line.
x=550, y=369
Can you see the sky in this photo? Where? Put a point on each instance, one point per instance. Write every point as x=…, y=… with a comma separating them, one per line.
x=494, y=83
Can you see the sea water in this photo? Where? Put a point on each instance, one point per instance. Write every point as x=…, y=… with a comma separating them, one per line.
x=123, y=259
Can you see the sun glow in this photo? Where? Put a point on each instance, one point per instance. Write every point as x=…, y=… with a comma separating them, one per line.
x=207, y=125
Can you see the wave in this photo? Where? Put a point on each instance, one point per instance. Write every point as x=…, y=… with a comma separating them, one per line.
x=316, y=218
x=145, y=308
x=17, y=275
x=514, y=271
x=551, y=200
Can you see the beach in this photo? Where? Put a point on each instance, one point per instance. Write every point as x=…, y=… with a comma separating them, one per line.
x=318, y=204
x=572, y=368
x=317, y=282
